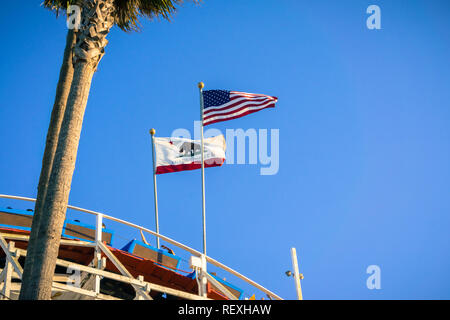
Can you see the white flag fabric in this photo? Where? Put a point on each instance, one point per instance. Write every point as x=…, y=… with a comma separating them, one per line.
x=179, y=154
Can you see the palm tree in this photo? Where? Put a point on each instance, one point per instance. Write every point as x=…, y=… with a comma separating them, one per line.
x=97, y=18
x=59, y=106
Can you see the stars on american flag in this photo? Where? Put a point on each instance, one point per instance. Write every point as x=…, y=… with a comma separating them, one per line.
x=212, y=98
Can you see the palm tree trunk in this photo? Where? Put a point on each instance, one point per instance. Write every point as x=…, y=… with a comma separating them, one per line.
x=97, y=19
x=55, y=204
x=59, y=106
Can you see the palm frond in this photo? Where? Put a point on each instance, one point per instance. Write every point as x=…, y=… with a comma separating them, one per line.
x=127, y=12
x=55, y=5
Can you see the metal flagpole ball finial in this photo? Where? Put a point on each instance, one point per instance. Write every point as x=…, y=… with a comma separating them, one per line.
x=201, y=85
x=152, y=131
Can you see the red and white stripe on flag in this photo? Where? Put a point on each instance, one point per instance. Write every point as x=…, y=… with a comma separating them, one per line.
x=179, y=154
x=233, y=104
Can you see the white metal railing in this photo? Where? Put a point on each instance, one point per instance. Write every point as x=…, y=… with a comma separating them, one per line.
x=100, y=216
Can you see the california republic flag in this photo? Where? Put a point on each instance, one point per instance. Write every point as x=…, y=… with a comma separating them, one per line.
x=179, y=154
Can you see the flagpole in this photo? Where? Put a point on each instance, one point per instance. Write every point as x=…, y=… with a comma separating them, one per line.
x=152, y=132
x=203, y=277
x=201, y=85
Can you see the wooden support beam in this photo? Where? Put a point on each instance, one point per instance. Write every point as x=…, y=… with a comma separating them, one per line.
x=14, y=291
x=139, y=290
x=6, y=291
x=2, y=275
x=84, y=292
x=61, y=277
x=61, y=288
x=138, y=296
x=9, y=256
x=13, y=276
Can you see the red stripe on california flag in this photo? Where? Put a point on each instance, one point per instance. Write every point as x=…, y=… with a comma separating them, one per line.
x=213, y=162
x=239, y=116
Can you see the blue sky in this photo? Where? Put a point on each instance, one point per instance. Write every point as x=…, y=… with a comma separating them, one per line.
x=363, y=117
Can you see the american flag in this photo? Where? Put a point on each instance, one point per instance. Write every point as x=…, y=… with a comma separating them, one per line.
x=223, y=105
